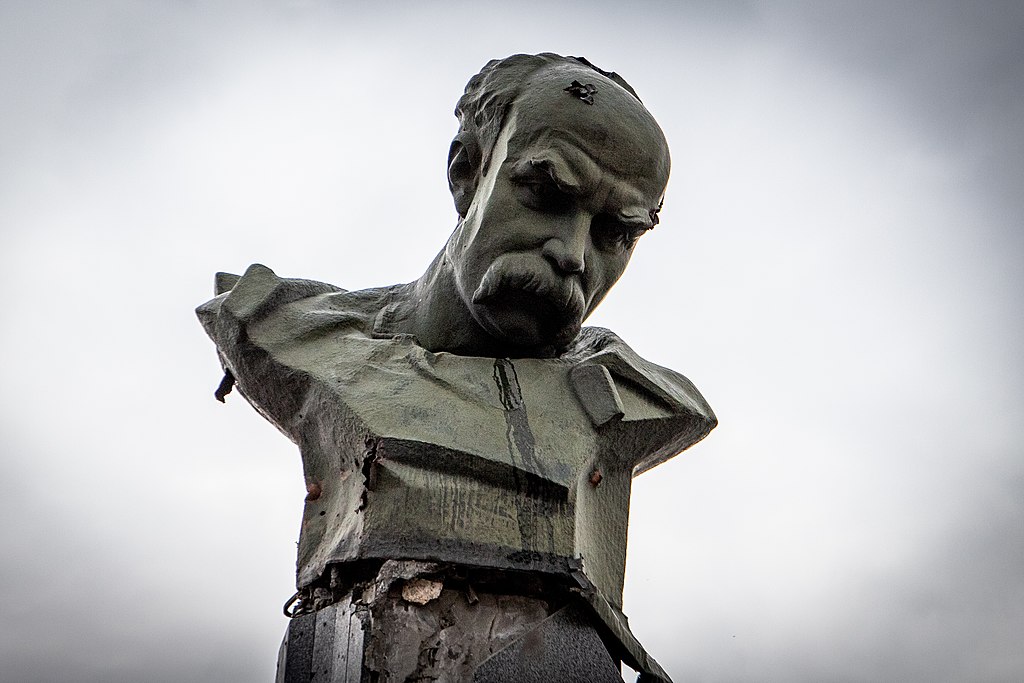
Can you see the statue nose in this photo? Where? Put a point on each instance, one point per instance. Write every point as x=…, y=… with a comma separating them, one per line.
x=567, y=248
x=567, y=257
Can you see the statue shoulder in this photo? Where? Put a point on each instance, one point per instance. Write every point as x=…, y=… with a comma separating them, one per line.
x=258, y=319
x=254, y=294
x=628, y=395
x=289, y=308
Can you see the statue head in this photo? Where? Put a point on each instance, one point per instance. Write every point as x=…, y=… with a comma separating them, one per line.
x=556, y=171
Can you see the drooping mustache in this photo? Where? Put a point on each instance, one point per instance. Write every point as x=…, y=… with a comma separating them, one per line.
x=531, y=274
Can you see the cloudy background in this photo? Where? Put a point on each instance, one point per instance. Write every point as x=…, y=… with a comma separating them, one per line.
x=838, y=268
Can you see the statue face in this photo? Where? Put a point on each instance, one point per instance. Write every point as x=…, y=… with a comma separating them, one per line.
x=568, y=190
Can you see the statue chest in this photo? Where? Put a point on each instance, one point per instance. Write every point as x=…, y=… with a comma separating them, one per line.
x=487, y=461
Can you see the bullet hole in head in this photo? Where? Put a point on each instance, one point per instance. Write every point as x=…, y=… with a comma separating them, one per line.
x=323, y=512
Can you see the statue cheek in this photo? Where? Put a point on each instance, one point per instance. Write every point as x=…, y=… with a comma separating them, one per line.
x=470, y=236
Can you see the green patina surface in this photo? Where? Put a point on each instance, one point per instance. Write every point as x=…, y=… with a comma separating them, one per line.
x=521, y=463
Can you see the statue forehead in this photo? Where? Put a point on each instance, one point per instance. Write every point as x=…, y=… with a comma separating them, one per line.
x=616, y=129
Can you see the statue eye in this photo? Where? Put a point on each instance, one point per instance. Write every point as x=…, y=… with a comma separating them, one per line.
x=543, y=195
x=613, y=235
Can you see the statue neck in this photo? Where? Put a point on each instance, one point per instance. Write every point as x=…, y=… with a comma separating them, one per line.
x=440, y=320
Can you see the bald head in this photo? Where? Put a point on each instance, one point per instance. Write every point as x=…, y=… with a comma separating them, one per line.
x=570, y=105
x=524, y=81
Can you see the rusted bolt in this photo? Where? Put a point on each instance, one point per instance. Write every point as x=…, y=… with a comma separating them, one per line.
x=596, y=477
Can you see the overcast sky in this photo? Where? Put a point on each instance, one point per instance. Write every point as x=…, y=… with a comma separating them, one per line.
x=838, y=268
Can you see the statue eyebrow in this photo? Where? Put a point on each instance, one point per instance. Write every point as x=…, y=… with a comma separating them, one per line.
x=540, y=167
x=637, y=218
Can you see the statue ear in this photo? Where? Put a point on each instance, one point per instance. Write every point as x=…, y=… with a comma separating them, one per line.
x=462, y=176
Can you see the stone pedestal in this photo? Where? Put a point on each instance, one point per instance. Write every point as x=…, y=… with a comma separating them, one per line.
x=414, y=622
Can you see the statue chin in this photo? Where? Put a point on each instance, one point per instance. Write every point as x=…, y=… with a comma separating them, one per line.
x=527, y=328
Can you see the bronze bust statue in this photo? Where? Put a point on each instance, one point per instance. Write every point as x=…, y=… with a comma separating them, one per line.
x=468, y=418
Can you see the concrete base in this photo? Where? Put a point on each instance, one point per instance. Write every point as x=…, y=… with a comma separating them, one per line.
x=410, y=627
